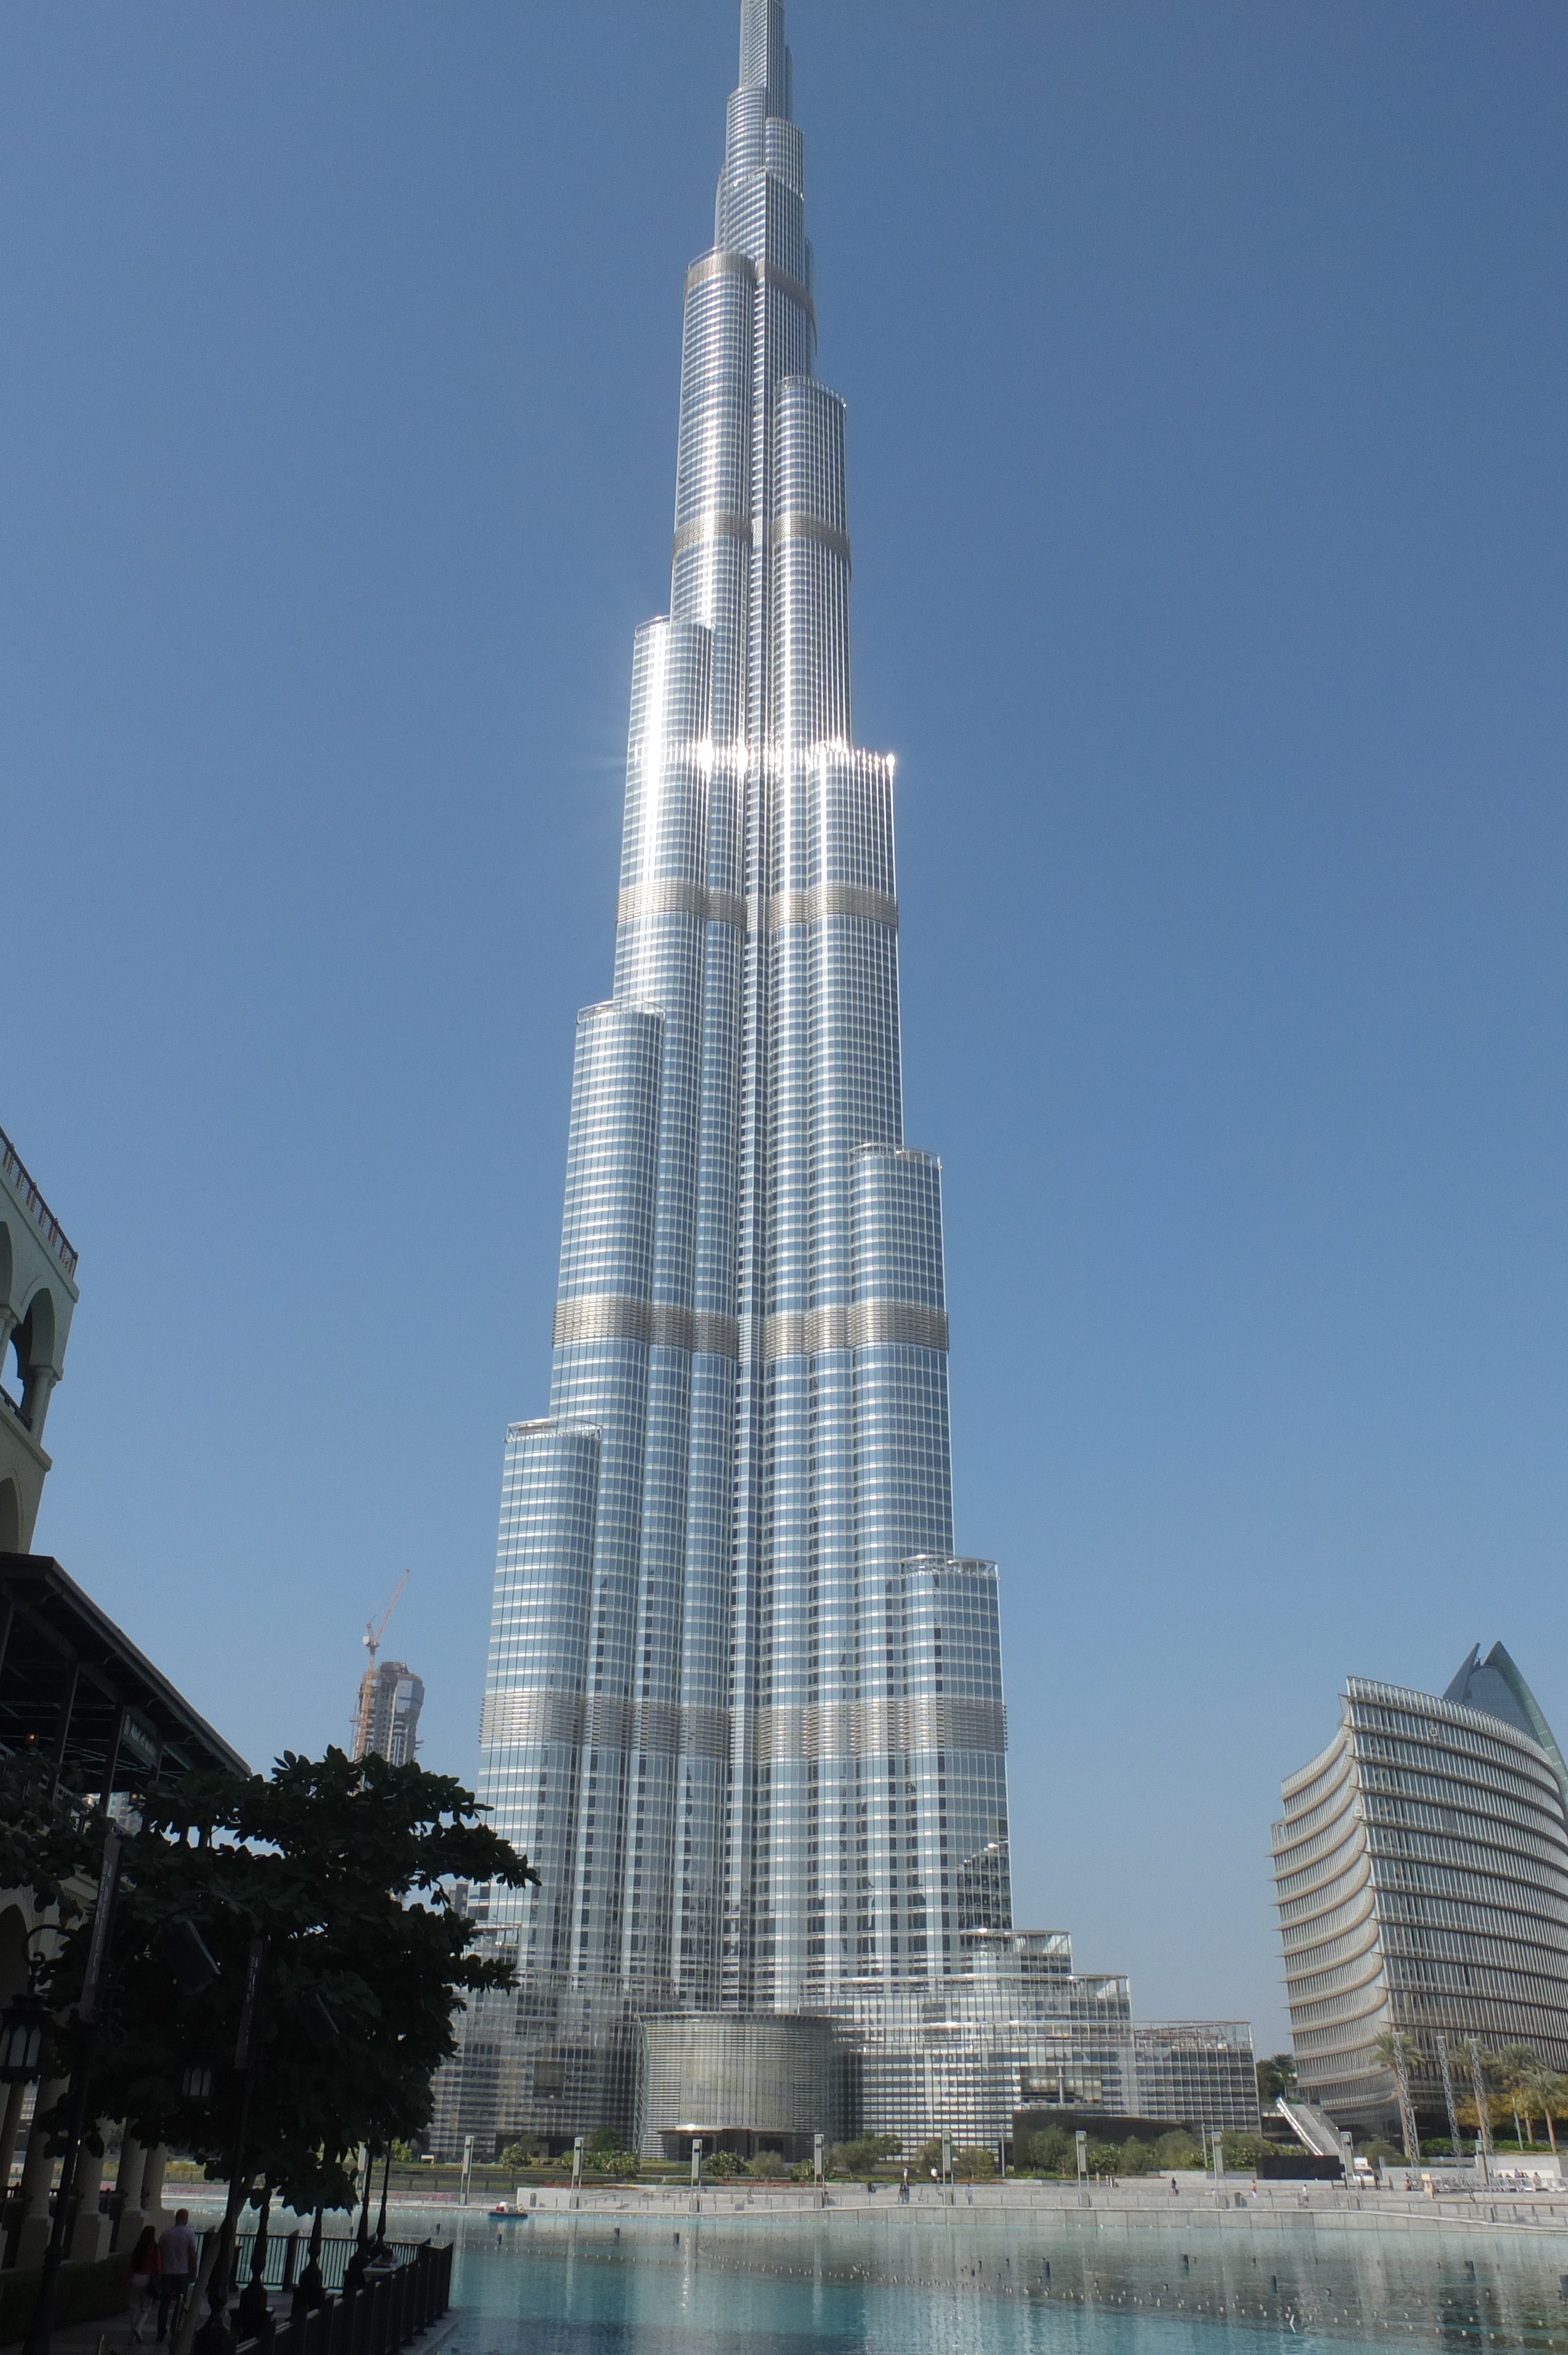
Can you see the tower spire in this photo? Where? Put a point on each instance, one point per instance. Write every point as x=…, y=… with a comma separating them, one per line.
x=764, y=61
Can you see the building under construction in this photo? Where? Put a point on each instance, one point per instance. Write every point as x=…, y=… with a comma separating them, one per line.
x=387, y=1715
x=386, y=1721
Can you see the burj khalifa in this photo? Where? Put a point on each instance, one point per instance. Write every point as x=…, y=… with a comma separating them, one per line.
x=743, y=1703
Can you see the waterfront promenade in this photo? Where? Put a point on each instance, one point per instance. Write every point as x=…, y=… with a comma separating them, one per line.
x=1136, y=2204
x=1144, y=2203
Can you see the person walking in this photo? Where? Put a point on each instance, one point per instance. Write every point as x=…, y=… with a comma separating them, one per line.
x=176, y=2270
x=143, y=2280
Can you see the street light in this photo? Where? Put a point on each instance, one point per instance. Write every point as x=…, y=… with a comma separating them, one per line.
x=22, y=2030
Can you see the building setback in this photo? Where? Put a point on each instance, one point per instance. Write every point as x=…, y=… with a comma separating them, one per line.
x=1420, y=1874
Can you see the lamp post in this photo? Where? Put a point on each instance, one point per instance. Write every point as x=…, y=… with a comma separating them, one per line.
x=1442, y=2042
x=22, y=2030
x=41, y=2329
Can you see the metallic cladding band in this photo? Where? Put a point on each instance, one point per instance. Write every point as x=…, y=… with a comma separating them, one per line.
x=805, y=1332
x=619, y=1317
x=846, y=1729
x=810, y=526
x=669, y=895
x=724, y=523
x=595, y=1720
x=868, y=1324
x=717, y=523
x=827, y=900
x=827, y=1730
x=759, y=273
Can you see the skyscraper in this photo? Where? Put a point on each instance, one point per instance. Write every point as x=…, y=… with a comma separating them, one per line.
x=742, y=1705
x=387, y=1716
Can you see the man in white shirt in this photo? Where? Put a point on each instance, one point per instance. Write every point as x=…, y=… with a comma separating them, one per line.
x=176, y=2269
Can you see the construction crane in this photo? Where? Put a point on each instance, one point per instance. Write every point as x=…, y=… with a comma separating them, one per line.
x=372, y=1641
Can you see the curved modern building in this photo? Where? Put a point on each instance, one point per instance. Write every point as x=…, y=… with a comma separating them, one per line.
x=743, y=1706
x=1420, y=1874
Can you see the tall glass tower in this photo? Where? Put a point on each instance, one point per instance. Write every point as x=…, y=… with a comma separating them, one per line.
x=743, y=1706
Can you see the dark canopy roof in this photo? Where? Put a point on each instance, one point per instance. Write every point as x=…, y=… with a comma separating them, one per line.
x=75, y=1687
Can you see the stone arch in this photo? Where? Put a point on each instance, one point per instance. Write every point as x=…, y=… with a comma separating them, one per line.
x=34, y=1340
x=10, y=1516
x=6, y=1263
x=35, y=1333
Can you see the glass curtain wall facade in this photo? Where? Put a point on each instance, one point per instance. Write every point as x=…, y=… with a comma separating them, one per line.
x=743, y=1706
x=1420, y=1874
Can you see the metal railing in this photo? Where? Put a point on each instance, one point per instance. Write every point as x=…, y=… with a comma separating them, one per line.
x=287, y=2254
x=396, y=2305
x=38, y=1210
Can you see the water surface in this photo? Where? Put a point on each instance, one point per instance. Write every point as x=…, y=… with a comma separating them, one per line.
x=1013, y=2290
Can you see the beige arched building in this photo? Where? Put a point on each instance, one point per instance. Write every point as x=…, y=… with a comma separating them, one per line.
x=37, y=1294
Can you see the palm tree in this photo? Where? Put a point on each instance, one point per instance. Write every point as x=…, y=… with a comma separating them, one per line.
x=1547, y=2086
x=1395, y=2048
x=1517, y=2066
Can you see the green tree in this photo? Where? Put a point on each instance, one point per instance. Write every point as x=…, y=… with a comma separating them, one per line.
x=342, y=1869
x=1518, y=2070
x=861, y=2156
x=1243, y=2150
x=605, y=2142
x=1548, y=2091
x=974, y=2163
x=1177, y=2150
x=50, y=1838
x=1276, y=2075
x=1048, y=2152
x=1397, y=2051
x=768, y=2166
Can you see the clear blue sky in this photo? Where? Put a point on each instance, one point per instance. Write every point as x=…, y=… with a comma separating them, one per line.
x=1206, y=372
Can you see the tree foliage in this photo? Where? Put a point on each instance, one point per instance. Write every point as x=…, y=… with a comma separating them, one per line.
x=343, y=1868
x=50, y=1838
x=1275, y=2076
x=860, y=2154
